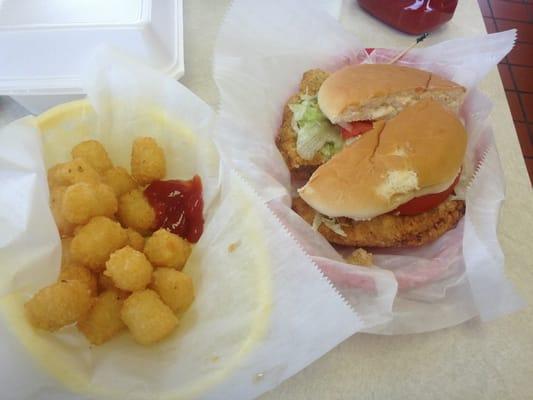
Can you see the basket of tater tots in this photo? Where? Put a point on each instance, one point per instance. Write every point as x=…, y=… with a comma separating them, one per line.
x=137, y=264
x=125, y=239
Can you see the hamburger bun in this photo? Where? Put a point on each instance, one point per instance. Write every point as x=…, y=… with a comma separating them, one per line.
x=380, y=91
x=418, y=152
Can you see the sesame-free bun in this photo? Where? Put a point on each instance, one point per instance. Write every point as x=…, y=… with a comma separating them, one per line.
x=380, y=91
x=418, y=152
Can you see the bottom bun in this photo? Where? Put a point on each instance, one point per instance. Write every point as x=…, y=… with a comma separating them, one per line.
x=390, y=230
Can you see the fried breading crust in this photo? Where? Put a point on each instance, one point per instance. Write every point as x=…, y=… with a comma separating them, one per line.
x=390, y=230
x=286, y=139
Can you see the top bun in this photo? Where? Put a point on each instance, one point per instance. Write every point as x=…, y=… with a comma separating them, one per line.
x=380, y=91
x=418, y=152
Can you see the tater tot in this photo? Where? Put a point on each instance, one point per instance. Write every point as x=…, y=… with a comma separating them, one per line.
x=107, y=201
x=147, y=317
x=82, y=201
x=93, y=243
x=147, y=161
x=70, y=172
x=66, y=257
x=53, y=181
x=135, y=239
x=105, y=283
x=94, y=153
x=120, y=181
x=77, y=229
x=64, y=227
x=174, y=287
x=58, y=305
x=129, y=269
x=135, y=212
x=103, y=321
x=79, y=202
x=165, y=249
x=74, y=272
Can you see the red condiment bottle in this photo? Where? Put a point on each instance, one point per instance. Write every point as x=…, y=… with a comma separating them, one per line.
x=411, y=16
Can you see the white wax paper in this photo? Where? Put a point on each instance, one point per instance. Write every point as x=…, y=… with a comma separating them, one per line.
x=263, y=311
x=262, y=51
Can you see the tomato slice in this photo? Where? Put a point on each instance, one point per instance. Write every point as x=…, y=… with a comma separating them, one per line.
x=421, y=204
x=356, y=128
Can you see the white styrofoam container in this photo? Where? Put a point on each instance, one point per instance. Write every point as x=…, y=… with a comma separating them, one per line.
x=44, y=44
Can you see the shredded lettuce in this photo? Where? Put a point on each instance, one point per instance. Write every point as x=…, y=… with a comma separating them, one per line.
x=330, y=149
x=314, y=131
x=331, y=223
x=317, y=220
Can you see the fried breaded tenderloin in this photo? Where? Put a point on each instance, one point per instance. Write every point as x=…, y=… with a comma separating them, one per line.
x=286, y=139
x=390, y=230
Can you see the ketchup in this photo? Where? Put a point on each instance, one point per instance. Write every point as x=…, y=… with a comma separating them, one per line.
x=411, y=16
x=178, y=206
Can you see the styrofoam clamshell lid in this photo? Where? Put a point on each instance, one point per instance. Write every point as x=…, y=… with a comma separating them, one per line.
x=44, y=45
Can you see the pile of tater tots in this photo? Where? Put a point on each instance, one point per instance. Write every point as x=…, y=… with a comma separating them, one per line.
x=116, y=272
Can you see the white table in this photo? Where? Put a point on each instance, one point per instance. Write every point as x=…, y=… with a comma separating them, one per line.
x=472, y=361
